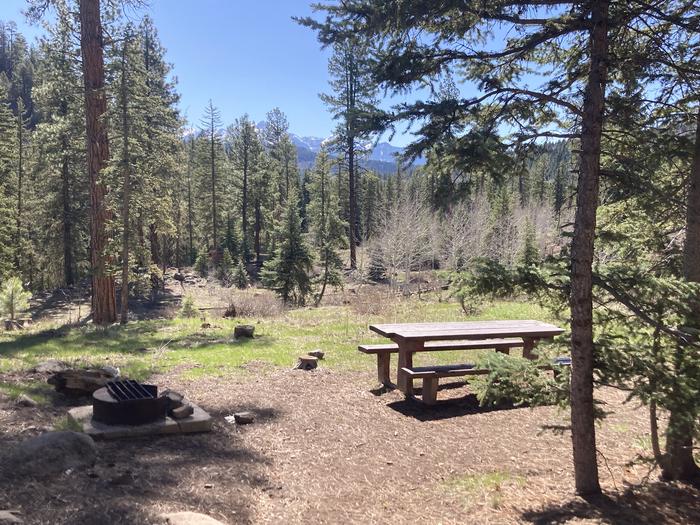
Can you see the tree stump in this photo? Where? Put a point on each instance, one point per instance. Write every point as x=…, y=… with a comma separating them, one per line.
x=243, y=330
x=317, y=353
x=307, y=362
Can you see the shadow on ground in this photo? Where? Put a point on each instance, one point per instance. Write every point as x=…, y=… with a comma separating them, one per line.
x=445, y=409
x=134, y=480
x=644, y=504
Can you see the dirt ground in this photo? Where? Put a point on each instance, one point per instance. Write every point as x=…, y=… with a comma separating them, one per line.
x=323, y=449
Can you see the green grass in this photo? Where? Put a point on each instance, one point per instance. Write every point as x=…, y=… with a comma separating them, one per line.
x=486, y=487
x=142, y=348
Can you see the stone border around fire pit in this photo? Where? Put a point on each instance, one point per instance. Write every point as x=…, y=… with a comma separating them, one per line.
x=199, y=421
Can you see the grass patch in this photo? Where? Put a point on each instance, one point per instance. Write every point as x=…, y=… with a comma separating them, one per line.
x=141, y=348
x=67, y=424
x=38, y=391
x=486, y=488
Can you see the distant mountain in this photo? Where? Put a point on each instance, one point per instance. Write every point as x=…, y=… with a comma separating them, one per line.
x=381, y=158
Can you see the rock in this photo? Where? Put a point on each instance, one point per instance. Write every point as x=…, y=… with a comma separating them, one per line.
x=243, y=330
x=244, y=418
x=112, y=370
x=182, y=412
x=25, y=401
x=188, y=518
x=175, y=399
x=307, y=362
x=179, y=277
x=50, y=366
x=10, y=516
x=206, y=325
x=82, y=382
x=317, y=353
x=51, y=454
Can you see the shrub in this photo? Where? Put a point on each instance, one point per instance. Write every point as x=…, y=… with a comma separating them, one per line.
x=519, y=381
x=201, y=265
x=225, y=272
x=13, y=298
x=255, y=303
x=188, y=309
x=240, y=276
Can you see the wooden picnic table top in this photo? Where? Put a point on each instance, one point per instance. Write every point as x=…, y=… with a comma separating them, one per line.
x=465, y=330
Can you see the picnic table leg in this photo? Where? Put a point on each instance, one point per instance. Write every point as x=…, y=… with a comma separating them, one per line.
x=528, y=347
x=406, y=351
x=383, y=364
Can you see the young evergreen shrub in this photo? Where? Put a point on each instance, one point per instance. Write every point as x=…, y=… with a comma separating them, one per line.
x=530, y=255
x=240, y=276
x=226, y=268
x=188, y=310
x=201, y=265
x=519, y=381
x=376, y=269
x=14, y=300
x=287, y=273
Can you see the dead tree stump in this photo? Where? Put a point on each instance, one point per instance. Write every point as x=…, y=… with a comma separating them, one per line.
x=243, y=330
x=317, y=353
x=307, y=362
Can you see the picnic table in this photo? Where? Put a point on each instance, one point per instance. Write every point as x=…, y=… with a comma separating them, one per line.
x=410, y=338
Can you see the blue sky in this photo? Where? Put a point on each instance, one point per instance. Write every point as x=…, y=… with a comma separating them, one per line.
x=247, y=56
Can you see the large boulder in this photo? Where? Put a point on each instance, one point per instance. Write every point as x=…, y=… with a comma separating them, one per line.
x=51, y=454
x=188, y=518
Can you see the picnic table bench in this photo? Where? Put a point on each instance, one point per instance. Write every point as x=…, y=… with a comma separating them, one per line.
x=410, y=338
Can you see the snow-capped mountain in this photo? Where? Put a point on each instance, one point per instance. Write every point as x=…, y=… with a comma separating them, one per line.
x=381, y=157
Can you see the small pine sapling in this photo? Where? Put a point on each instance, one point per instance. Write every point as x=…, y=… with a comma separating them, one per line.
x=14, y=300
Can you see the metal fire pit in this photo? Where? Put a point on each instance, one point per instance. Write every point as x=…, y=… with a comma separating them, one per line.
x=128, y=403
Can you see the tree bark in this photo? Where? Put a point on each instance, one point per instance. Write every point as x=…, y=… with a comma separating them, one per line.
x=215, y=237
x=190, y=229
x=244, y=205
x=20, y=185
x=67, y=219
x=678, y=461
x=257, y=227
x=581, y=299
x=126, y=165
x=91, y=45
x=353, y=203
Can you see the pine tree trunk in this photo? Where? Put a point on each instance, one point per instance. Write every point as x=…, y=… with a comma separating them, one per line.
x=126, y=160
x=215, y=236
x=20, y=187
x=581, y=300
x=103, y=291
x=155, y=244
x=678, y=462
x=353, y=203
x=257, y=227
x=244, y=211
x=190, y=230
x=68, y=276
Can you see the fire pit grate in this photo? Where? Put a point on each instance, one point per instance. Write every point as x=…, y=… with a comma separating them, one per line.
x=130, y=390
x=128, y=402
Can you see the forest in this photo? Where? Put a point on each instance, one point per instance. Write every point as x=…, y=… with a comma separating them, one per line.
x=216, y=187
x=554, y=161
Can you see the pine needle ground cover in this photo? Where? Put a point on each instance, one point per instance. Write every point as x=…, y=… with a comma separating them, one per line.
x=323, y=448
